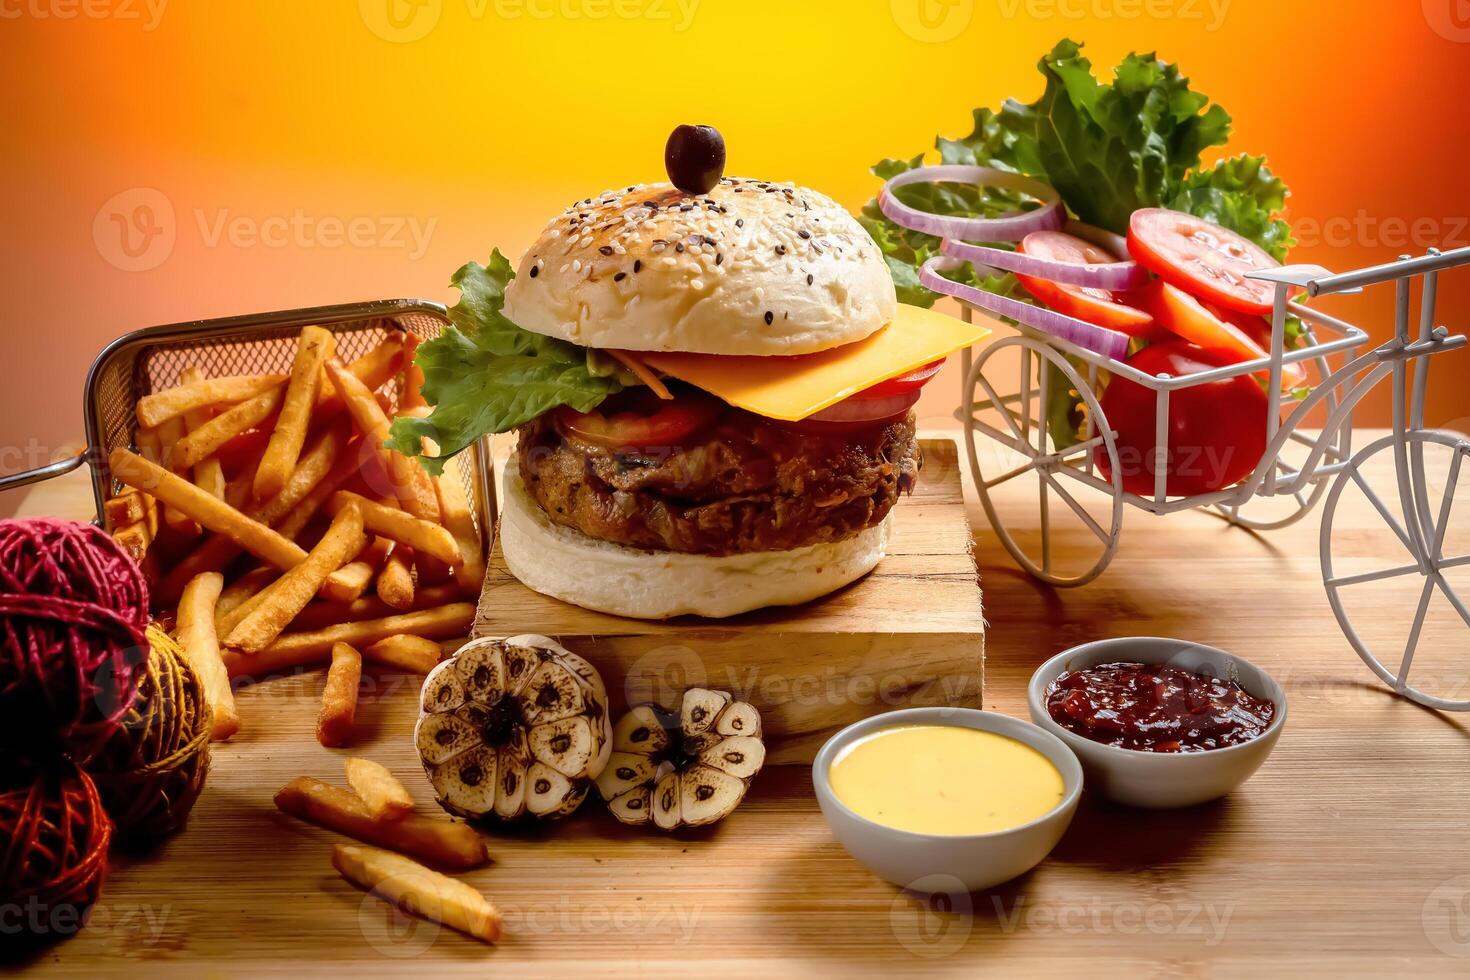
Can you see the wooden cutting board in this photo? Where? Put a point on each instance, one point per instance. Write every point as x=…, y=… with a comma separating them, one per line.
x=910, y=633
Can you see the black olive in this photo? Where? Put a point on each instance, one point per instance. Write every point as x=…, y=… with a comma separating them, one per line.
x=695, y=158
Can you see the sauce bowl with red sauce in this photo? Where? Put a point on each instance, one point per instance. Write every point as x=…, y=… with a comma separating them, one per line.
x=1156, y=722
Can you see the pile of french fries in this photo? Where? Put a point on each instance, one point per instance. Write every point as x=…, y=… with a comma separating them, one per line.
x=268, y=512
x=378, y=810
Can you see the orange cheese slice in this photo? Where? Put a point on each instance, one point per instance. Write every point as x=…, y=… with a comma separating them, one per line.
x=792, y=388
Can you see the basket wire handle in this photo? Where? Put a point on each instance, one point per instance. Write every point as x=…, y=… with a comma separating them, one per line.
x=42, y=473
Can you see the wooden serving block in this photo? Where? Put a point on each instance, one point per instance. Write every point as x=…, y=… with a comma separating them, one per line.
x=910, y=633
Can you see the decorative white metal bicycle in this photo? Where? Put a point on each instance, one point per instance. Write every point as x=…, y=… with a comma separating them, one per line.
x=1325, y=462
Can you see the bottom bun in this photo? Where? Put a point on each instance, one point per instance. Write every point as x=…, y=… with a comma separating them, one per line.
x=566, y=564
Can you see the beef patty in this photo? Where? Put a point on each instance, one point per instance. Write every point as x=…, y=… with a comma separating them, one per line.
x=746, y=484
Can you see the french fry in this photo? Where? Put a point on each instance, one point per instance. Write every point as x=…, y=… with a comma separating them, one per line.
x=414, y=888
x=293, y=650
x=449, y=845
x=211, y=512
x=386, y=798
x=242, y=590
x=320, y=615
x=410, y=481
x=124, y=509
x=348, y=583
x=159, y=407
x=169, y=434
x=374, y=369
x=217, y=551
x=201, y=645
x=401, y=527
x=411, y=380
x=413, y=654
x=209, y=474
x=208, y=439
x=135, y=540
x=344, y=469
x=281, y=602
x=339, y=698
x=395, y=581
x=313, y=347
x=454, y=510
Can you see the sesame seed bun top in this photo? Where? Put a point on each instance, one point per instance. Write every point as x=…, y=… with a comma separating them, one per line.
x=749, y=268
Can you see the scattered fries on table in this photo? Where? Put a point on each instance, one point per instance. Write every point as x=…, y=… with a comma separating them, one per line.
x=418, y=890
x=269, y=510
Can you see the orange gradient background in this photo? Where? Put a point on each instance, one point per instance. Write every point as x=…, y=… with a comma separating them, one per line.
x=295, y=154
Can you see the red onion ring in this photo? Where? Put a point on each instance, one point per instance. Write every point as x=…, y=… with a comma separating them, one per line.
x=1010, y=227
x=1110, y=275
x=1100, y=340
x=866, y=409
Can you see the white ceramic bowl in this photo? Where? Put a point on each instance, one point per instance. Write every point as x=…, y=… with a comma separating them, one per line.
x=942, y=862
x=1161, y=780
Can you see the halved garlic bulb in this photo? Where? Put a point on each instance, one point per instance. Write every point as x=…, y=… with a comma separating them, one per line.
x=688, y=770
x=515, y=727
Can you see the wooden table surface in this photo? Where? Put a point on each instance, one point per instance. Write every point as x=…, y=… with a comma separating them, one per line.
x=1348, y=853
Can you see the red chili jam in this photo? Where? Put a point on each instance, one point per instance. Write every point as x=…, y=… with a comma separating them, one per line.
x=1156, y=708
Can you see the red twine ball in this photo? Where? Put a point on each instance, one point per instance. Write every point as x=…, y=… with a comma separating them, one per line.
x=53, y=848
x=73, y=608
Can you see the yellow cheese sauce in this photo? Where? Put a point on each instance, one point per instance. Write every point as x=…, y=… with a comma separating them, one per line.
x=944, y=779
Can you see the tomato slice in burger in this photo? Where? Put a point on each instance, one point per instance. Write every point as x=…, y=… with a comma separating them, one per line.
x=639, y=420
x=904, y=383
x=1201, y=258
x=1088, y=303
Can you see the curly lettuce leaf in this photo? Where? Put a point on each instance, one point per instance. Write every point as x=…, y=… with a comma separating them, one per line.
x=485, y=375
x=1108, y=149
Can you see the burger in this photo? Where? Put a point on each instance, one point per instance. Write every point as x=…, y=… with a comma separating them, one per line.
x=712, y=384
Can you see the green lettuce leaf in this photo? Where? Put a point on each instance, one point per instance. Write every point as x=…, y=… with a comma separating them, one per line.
x=485, y=375
x=1240, y=193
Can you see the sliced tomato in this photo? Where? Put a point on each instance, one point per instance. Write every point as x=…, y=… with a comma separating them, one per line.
x=1201, y=258
x=904, y=383
x=1187, y=317
x=639, y=420
x=1098, y=306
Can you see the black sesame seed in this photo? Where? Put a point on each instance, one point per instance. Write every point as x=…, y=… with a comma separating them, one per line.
x=679, y=246
x=719, y=258
x=620, y=277
x=804, y=234
x=686, y=207
x=637, y=265
x=809, y=278
x=534, y=270
x=650, y=204
x=770, y=317
x=739, y=222
x=780, y=249
x=607, y=249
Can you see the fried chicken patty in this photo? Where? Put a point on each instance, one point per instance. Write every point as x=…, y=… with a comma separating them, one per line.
x=743, y=484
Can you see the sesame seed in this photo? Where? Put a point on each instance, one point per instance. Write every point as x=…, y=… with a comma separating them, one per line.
x=739, y=222
x=780, y=249
x=637, y=265
x=804, y=234
x=809, y=278
x=679, y=246
x=606, y=250
x=534, y=270
x=620, y=277
x=719, y=257
x=770, y=318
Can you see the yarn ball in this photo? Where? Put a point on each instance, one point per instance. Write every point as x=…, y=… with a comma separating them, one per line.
x=152, y=768
x=53, y=847
x=73, y=608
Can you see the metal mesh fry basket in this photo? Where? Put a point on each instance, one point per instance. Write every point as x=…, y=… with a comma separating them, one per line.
x=148, y=360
